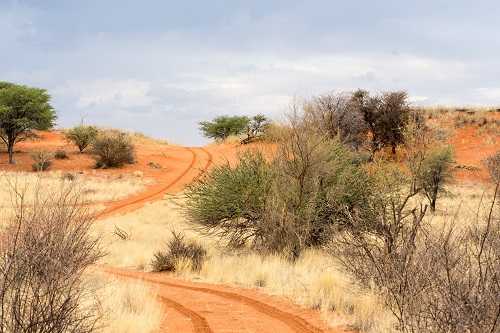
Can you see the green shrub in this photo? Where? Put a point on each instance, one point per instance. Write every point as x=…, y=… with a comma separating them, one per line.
x=224, y=126
x=60, y=154
x=113, y=149
x=284, y=205
x=43, y=160
x=179, y=249
x=435, y=173
x=82, y=136
x=230, y=200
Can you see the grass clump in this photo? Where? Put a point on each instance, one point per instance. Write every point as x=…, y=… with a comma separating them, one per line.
x=179, y=250
x=113, y=149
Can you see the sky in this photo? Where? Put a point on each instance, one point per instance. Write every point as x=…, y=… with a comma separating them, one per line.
x=160, y=66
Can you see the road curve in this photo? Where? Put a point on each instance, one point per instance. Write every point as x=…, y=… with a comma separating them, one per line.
x=150, y=194
x=283, y=321
x=292, y=322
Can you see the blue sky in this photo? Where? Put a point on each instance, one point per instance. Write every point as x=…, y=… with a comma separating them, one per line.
x=160, y=67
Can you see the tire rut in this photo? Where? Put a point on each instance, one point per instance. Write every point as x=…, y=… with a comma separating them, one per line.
x=149, y=196
x=200, y=324
x=295, y=323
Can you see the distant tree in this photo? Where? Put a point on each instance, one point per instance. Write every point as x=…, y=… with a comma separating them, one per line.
x=338, y=115
x=435, y=173
x=23, y=109
x=255, y=128
x=385, y=115
x=82, y=136
x=223, y=126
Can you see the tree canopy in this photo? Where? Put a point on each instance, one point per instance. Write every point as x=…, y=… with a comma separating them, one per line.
x=224, y=126
x=23, y=109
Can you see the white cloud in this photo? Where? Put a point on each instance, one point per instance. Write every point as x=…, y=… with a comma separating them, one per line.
x=110, y=93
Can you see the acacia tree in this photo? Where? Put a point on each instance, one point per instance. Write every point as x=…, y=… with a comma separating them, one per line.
x=223, y=126
x=386, y=116
x=23, y=109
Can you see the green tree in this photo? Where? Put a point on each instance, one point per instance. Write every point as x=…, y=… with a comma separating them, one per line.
x=436, y=172
x=224, y=126
x=82, y=136
x=255, y=128
x=386, y=116
x=23, y=109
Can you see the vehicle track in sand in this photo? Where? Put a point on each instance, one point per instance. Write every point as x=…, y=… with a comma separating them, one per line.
x=157, y=191
x=207, y=308
x=263, y=317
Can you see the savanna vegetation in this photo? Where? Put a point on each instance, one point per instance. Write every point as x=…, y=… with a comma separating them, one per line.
x=331, y=187
x=348, y=215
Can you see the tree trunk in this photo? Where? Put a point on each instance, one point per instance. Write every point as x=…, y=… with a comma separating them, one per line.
x=10, y=150
x=433, y=204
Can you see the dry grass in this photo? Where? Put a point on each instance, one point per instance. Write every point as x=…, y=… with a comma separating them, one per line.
x=93, y=188
x=314, y=281
x=127, y=307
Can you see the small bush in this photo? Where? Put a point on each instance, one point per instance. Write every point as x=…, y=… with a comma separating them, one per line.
x=60, y=154
x=113, y=149
x=68, y=176
x=493, y=165
x=178, y=249
x=82, y=136
x=45, y=251
x=43, y=160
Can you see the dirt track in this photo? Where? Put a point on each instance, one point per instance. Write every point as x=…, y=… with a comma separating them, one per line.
x=164, y=185
x=205, y=308
x=209, y=308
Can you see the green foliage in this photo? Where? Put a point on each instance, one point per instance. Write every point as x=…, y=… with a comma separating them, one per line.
x=179, y=249
x=224, y=126
x=82, y=136
x=113, y=149
x=386, y=116
x=23, y=109
x=284, y=205
x=60, y=154
x=435, y=173
x=231, y=200
x=256, y=128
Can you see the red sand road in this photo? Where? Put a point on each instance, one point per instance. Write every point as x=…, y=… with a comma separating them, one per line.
x=197, y=307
